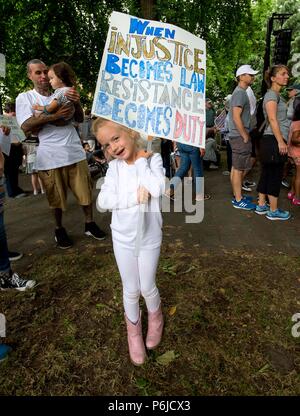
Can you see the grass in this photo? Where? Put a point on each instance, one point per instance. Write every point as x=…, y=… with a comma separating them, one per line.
x=228, y=327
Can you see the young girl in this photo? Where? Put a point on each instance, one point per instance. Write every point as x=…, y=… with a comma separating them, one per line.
x=134, y=177
x=61, y=77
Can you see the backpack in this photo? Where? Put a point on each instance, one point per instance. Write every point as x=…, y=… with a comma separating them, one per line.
x=261, y=121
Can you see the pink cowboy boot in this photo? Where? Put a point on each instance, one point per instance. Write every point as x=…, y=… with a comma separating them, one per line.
x=136, y=344
x=155, y=328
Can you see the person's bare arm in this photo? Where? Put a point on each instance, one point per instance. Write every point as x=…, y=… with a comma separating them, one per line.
x=73, y=95
x=50, y=108
x=237, y=119
x=33, y=124
x=1, y=163
x=271, y=109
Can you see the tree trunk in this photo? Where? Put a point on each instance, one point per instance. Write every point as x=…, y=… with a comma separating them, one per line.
x=148, y=9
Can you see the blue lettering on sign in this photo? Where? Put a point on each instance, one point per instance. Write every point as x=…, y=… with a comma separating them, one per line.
x=130, y=106
x=111, y=64
x=196, y=82
x=116, y=110
x=141, y=27
x=101, y=105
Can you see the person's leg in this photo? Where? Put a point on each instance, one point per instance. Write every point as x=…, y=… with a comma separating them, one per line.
x=4, y=257
x=185, y=163
x=229, y=155
x=274, y=185
x=129, y=272
x=35, y=183
x=8, y=279
x=56, y=191
x=236, y=183
x=297, y=182
x=41, y=185
x=147, y=264
x=197, y=165
x=80, y=182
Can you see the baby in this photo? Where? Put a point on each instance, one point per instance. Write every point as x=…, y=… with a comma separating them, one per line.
x=62, y=78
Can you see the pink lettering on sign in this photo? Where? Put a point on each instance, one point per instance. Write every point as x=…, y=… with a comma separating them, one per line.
x=189, y=128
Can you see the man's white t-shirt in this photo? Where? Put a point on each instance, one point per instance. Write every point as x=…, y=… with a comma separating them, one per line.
x=59, y=146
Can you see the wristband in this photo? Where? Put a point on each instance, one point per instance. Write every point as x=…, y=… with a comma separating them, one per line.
x=45, y=110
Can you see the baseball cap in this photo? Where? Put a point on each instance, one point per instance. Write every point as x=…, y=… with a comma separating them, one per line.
x=294, y=87
x=245, y=69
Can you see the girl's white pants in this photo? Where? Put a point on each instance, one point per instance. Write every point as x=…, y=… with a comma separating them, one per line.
x=138, y=277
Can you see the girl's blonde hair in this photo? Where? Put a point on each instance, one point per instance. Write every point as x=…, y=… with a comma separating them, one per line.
x=134, y=135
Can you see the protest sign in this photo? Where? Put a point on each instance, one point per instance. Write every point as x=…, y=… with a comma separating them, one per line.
x=15, y=130
x=220, y=120
x=152, y=79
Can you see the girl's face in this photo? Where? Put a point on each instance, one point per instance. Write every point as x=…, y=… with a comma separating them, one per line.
x=281, y=78
x=54, y=80
x=117, y=142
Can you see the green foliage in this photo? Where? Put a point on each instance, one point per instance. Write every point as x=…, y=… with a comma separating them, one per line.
x=76, y=30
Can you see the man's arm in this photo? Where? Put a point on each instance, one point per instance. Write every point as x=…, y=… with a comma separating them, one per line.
x=237, y=119
x=34, y=124
x=74, y=96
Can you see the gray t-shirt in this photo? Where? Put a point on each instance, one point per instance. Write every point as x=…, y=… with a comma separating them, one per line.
x=284, y=122
x=239, y=99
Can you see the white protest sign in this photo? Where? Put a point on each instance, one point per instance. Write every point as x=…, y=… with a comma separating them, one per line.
x=15, y=130
x=152, y=79
x=2, y=65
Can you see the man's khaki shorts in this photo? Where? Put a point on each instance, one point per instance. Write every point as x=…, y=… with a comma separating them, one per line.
x=57, y=181
x=241, y=153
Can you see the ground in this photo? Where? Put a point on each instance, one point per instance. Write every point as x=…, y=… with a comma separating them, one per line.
x=229, y=288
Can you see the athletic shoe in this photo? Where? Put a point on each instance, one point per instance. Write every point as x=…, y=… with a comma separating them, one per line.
x=296, y=201
x=246, y=188
x=62, y=238
x=14, y=256
x=20, y=195
x=291, y=195
x=285, y=183
x=213, y=166
x=278, y=214
x=249, y=184
x=92, y=229
x=248, y=198
x=11, y=280
x=226, y=173
x=4, y=351
x=244, y=204
x=261, y=209
x=202, y=197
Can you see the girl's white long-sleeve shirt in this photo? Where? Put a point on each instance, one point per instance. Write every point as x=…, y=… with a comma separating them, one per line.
x=119, y=194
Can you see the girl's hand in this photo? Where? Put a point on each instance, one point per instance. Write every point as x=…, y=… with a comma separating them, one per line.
x=143, y=153
x=35, y=107
x=142, y=195
x=282, y=146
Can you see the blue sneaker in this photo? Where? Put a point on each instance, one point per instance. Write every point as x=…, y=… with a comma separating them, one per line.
x=4, y=351
x=245, y=197
x=278, y=214
x=243, y=204
x=261, y=209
